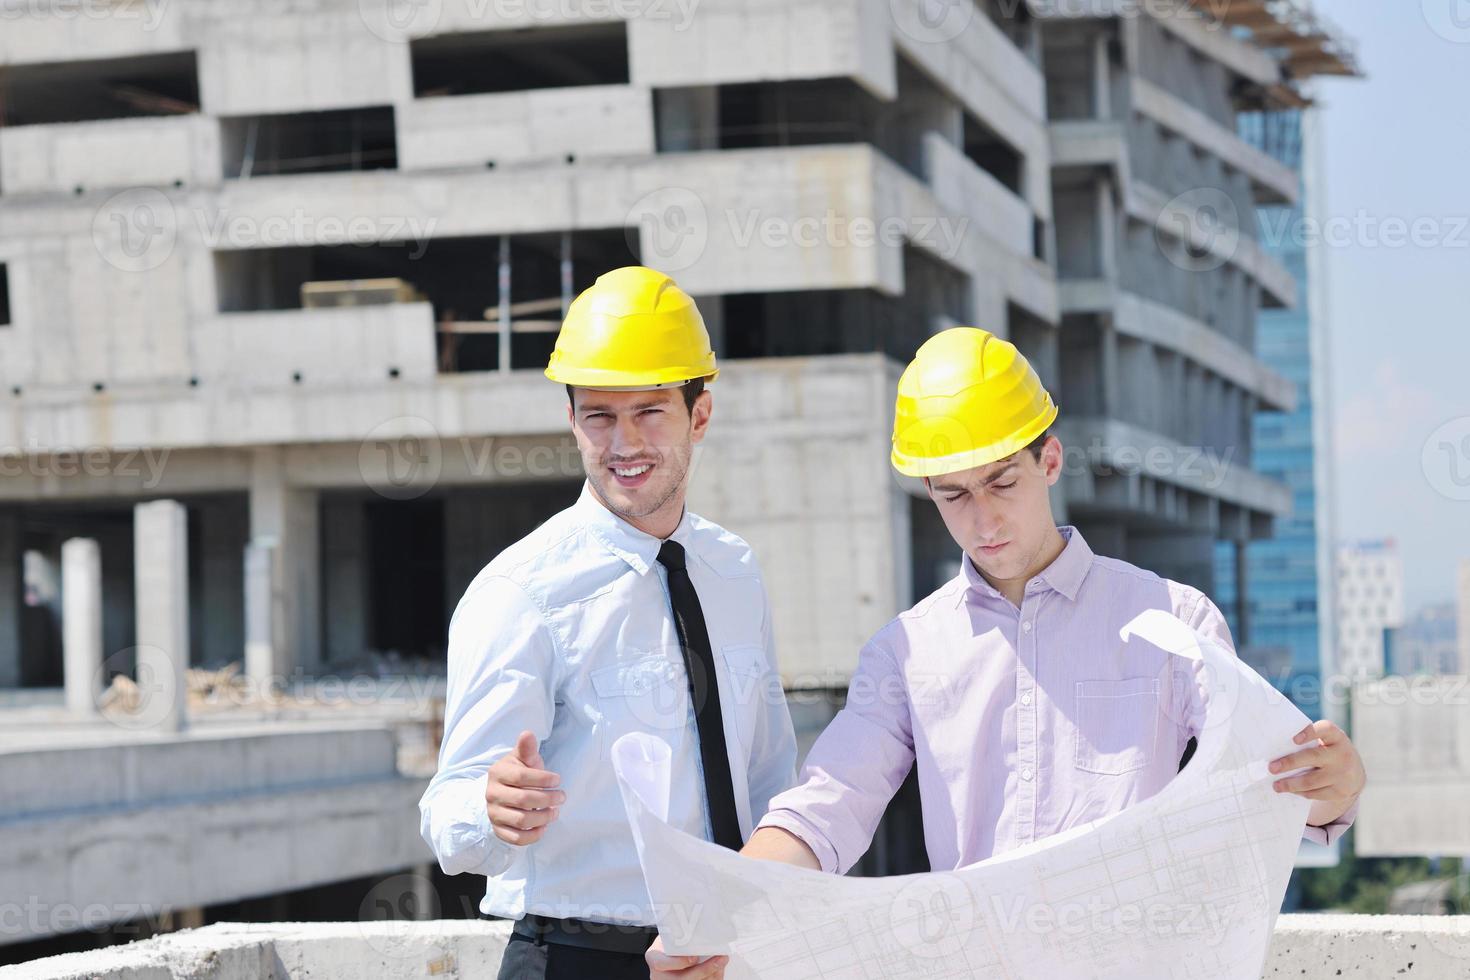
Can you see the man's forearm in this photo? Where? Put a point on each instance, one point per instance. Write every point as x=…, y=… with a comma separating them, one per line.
x=775, y=844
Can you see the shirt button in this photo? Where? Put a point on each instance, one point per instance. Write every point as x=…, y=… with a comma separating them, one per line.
x=1026, y=627
x=1026, y=698
x=1026, y=774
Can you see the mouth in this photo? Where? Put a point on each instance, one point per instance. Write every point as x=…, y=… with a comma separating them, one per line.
x=631, y=475
x=993, y=549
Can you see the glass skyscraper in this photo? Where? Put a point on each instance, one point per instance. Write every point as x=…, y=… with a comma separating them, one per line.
x=1287, y=632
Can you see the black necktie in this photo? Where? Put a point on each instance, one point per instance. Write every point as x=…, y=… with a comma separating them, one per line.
x=699, y=665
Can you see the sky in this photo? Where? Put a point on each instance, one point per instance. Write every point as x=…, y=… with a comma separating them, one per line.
x=1396, y=145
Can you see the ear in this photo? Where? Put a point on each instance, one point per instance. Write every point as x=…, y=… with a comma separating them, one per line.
x=1051, y=460
x=700, y=414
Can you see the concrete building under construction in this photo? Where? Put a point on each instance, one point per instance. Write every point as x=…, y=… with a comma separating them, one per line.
x=297, y=268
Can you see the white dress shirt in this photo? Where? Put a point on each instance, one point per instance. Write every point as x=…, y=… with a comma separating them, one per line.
x=568, y=634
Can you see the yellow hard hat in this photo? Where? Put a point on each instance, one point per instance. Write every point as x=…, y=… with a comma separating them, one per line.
x=967, y=399
x=632, y=329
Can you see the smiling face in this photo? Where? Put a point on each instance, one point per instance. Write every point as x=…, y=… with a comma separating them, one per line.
x=637, y=447
x=1000, y=513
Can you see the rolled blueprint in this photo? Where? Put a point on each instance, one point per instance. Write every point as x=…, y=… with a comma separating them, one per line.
x=1185, y=884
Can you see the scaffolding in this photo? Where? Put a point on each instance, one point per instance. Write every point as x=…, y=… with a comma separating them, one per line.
x=1307, y=44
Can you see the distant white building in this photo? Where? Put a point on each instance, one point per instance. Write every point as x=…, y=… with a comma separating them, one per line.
x=1425, y=644
x=1370, y=599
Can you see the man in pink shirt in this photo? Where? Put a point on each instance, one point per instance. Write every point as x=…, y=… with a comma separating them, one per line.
x=1009, y=687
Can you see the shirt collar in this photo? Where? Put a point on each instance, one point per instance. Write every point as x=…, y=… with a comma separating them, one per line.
x=638, y=548
x=1063, y=575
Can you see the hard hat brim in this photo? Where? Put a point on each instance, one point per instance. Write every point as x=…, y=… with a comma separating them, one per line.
x=628, y=380
x=923, y=466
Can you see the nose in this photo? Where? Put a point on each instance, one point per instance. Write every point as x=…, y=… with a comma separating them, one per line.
x=987, y=523
x=627, y=438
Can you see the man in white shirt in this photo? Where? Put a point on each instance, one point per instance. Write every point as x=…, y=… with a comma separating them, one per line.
x=622, y=613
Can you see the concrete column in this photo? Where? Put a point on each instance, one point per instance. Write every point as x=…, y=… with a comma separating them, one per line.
x=11, y=602
x=161, y=557
x=81, y=623
x=260, y=614
x=284, y=519
x=1107, y=345
x=1242, y=596
x=1107, y=230
x=1187, y=557
x=1102, y=82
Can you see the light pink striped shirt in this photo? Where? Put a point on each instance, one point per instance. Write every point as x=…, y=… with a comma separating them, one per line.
x=1023, y=722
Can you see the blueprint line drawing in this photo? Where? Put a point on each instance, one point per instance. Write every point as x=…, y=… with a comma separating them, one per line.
x=1185, y=885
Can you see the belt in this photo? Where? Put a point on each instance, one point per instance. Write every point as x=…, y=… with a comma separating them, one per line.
x=606, y=937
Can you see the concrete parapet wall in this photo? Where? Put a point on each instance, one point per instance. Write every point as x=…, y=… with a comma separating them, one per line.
x=1365, y=946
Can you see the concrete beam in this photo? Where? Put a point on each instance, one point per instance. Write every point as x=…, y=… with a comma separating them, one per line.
x=1143, y=319
x=114, y=153
x=1154, y=208
x=543, y=125
x=1131, y=450
x=1274, y=182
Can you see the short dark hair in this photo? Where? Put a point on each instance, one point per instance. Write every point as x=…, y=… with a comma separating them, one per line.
x=692, y=389
x=1035, y=444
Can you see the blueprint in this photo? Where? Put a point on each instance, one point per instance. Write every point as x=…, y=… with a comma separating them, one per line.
x=1185, y=884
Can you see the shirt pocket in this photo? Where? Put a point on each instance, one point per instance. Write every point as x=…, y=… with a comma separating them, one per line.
x=648, y=694
x=745, y=672
x=1117, y=724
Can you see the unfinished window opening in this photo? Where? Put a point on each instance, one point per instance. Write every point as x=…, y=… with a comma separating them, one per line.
x=457, y=276
x=4, y=295
x=848, y=321
x=309, y=142
x=800, y=113
x=1015, y=21
x=1038, y=340
x=520, y=60
x=993, y=155
x=405, y=581
x=106, y=88
x=816, y=112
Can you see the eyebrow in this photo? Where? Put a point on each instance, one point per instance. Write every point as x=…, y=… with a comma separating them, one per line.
x=955, y=488
x=635, y=407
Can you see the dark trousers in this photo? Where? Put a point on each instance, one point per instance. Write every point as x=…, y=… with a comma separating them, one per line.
x=527, y=959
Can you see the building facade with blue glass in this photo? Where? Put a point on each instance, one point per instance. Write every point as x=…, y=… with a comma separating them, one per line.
x=1284, y=622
